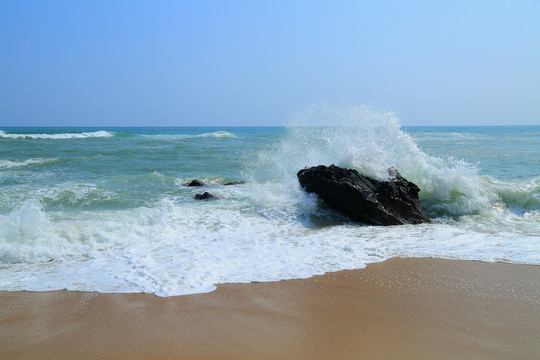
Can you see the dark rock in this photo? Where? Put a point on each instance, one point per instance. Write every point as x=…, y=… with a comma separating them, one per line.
x=235, y=183
x=195, y=182
x=204, y=196
x=370, y=201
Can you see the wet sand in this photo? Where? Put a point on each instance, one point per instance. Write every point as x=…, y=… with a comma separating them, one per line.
x=397, y=309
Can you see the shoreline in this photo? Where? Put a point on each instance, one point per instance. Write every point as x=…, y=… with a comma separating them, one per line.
x=419, y=308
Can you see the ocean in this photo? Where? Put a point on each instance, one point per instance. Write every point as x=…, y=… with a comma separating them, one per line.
x=106, y=209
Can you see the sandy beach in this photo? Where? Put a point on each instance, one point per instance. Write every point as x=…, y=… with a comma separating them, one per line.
x=397, y=309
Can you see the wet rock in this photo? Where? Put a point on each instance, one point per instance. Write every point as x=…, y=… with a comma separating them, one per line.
x=195, y=182
x=204, y=196
x=363, y=199
x=235, y=183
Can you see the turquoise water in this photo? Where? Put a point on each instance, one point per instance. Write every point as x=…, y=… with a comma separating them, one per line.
x=121, y=167
x=503, y=152
x=105, y=208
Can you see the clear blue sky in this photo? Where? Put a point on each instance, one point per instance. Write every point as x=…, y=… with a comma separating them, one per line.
x=189, y=63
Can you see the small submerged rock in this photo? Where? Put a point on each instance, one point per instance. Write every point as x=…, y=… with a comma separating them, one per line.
x=204, y=196
x=235, y=183
x=196, y=182
x=370, y=201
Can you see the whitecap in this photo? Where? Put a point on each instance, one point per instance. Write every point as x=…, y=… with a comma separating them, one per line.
x=59, y=136
x=7, y=164
x=218, y=134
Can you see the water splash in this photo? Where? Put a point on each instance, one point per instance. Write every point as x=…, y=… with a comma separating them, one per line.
x=371, y=142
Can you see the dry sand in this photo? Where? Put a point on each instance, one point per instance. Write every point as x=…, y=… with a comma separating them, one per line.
x=397, y=309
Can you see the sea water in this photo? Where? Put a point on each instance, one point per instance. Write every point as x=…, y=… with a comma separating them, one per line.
x=106, y=209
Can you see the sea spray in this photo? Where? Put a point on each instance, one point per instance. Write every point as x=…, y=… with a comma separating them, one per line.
x=371, y=142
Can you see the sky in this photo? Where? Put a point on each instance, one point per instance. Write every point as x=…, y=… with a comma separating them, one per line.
x=251, y=63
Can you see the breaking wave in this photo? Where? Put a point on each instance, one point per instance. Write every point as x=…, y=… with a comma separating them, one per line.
x=371, y=142
x=218, y=134
x=62, y=136
x=215, y=134
x=8, y=164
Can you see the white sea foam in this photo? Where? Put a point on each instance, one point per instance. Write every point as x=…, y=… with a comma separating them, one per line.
x=82, y=135
x=78, y=194
x=28, y=234
x=167, y=136
x=180, y=248
x=215, y=134
x=68, y=194
x=218, y=134
x=7, y=164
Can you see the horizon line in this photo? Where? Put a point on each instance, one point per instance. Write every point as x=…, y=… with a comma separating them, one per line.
x=232, y=126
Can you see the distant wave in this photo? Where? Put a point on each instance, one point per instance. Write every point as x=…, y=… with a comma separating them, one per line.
x=7, y=164
x=216, y=134
x=93, y=134
x=223, y=134
x=167, y=136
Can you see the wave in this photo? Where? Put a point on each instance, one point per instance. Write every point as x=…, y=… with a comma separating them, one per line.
x=520, y=196
x=167, y=136
x=215, y=134
x=61, y=136
x=218, y=134
x=29, y=234
x=371, y=142
x=166, y=250
x=8, y=164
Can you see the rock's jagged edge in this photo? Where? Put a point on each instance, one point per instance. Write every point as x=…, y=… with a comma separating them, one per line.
x=363, y=199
